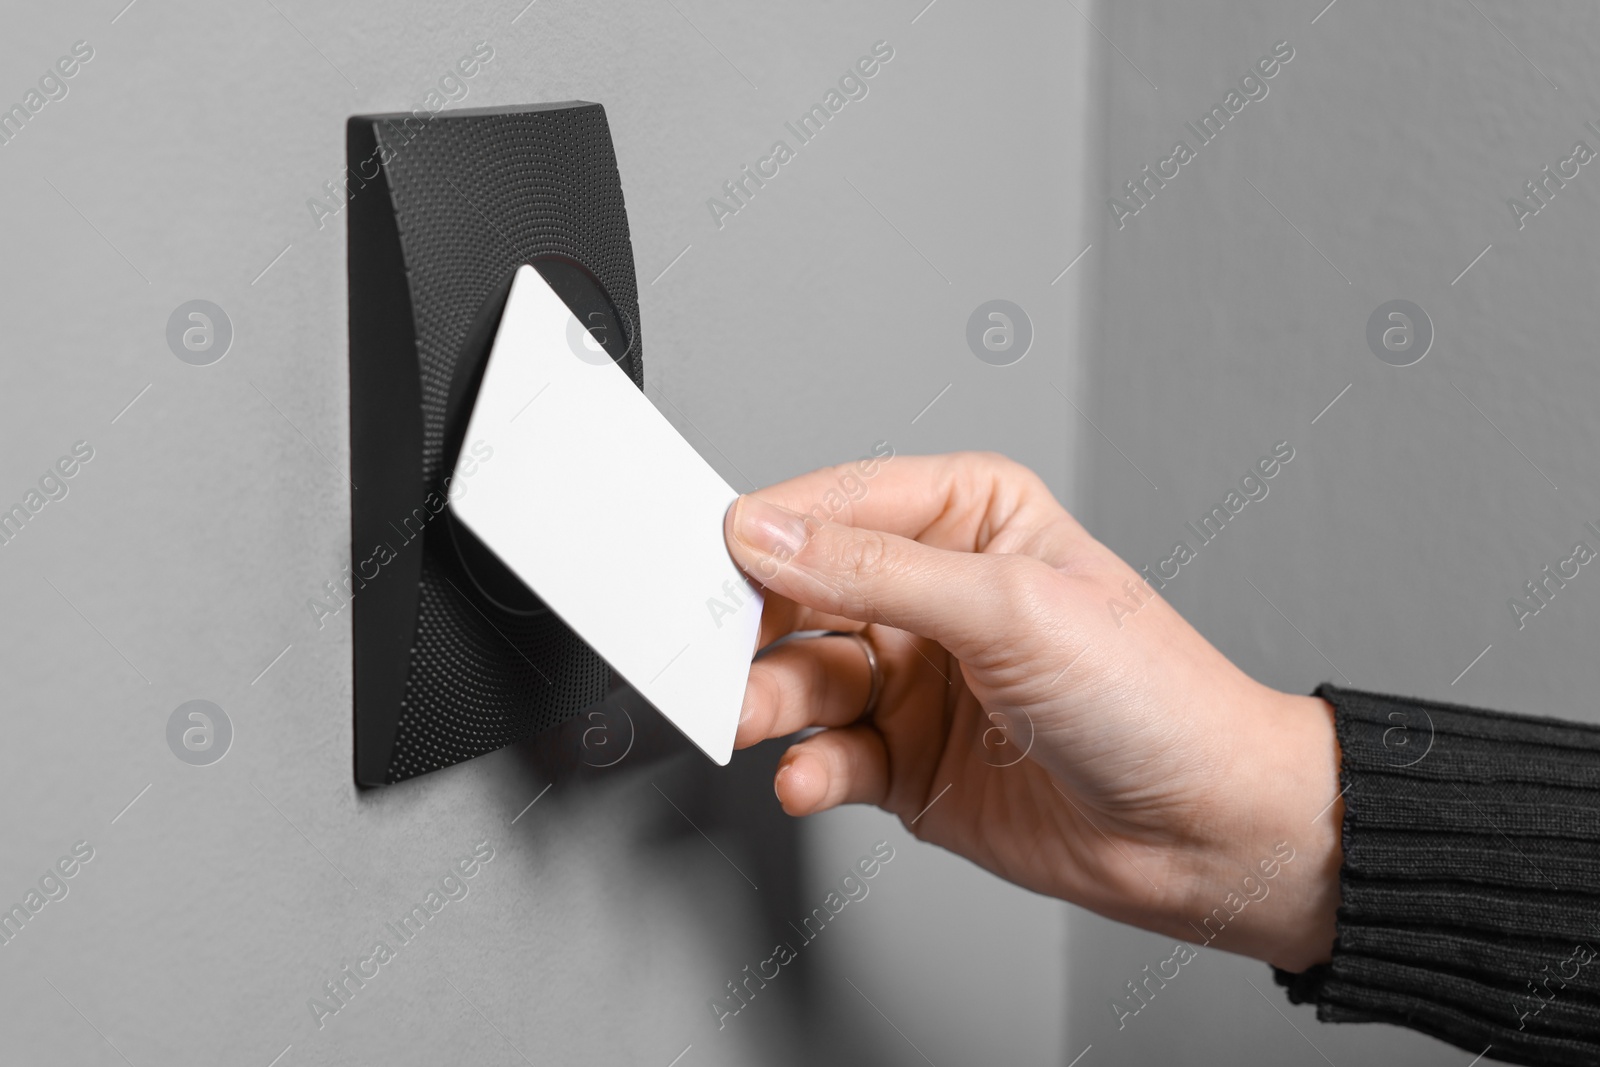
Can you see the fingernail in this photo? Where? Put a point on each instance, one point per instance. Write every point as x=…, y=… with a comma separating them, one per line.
x=777, y=780
x=767, y=528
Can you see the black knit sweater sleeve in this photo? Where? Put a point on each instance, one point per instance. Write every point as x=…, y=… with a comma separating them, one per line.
x=1470, y=890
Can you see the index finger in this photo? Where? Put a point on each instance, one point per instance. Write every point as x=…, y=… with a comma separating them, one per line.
x=781, y=616
x=957, y=501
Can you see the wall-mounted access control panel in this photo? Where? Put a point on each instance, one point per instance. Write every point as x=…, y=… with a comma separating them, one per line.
x=454, y=655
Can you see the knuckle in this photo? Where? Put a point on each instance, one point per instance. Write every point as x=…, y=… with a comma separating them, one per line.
x=856, y=768
x=767, y=684
x=991, y=459
x=1002, y=470
x=1018, y=584
x=990, y=464
x=813, y=686
x=995, y=477
x=862, y=554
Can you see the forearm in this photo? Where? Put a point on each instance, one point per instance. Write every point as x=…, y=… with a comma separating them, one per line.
x=1470, y=880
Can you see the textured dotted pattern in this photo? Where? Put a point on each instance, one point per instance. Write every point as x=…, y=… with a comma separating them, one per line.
x=476, y=686
x=476, y=196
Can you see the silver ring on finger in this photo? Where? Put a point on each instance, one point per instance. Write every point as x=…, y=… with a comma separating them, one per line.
x=872, y=666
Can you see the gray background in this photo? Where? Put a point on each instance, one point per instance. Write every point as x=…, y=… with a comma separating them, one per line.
x=824, y=317
x=801, y=333
x=1395, y=537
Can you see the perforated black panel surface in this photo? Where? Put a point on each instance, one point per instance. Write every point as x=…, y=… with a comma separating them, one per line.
x=479, y=682
x=475, y=194
x=540, y=182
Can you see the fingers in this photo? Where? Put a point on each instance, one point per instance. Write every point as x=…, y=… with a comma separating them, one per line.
x=781, y=617
x=951, y=501
x=823, y=681
x=849, y=765
x=960, y=599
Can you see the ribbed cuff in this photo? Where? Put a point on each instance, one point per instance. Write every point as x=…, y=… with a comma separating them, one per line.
x=1470, y=889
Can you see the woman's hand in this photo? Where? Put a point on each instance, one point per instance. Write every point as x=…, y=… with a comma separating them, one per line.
x=1111, y=757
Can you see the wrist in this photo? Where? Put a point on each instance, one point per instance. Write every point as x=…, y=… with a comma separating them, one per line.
x=1269, y=888
x=1310, y=801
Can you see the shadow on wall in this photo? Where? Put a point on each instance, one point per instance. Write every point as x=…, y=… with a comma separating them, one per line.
x=623, y=751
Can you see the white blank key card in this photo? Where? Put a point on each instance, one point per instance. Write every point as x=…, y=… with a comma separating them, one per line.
x=593, y=499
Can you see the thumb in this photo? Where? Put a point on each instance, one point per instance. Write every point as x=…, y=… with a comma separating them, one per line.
x=960, y=599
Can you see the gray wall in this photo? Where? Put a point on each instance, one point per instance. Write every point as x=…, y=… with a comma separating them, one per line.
x=1422, y=500
x=825, y=316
